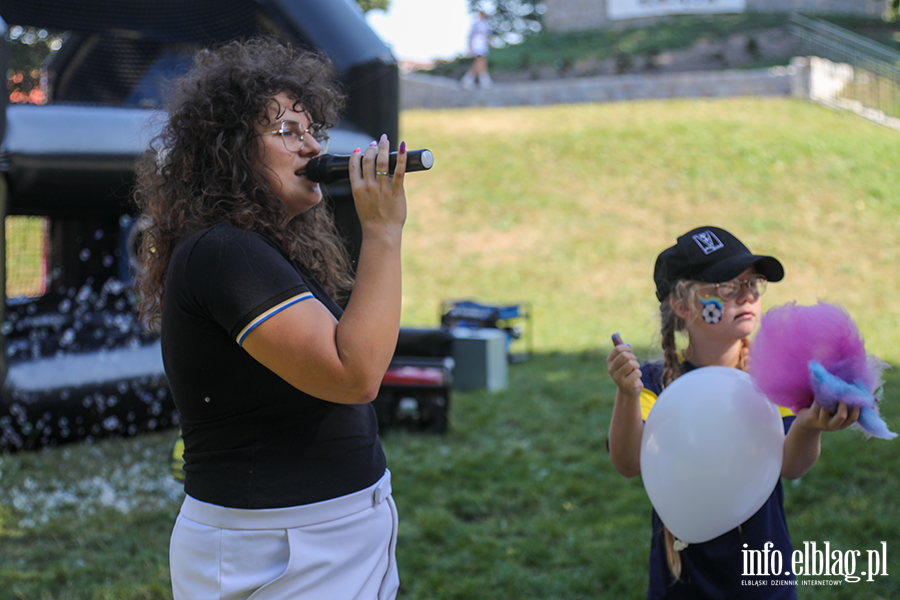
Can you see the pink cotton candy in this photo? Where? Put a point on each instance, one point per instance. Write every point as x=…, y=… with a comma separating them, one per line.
x=791, y=336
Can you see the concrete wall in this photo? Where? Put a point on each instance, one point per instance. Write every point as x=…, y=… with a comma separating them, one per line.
x=429, y=92
x=809, y=78
x=573, y=15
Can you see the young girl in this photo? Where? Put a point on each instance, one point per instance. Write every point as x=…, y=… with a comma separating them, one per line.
x=709, y=286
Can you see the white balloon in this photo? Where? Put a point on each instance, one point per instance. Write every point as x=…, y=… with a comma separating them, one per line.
x=711, y=452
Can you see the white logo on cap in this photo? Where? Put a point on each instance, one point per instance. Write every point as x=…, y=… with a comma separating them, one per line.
x=708, y=242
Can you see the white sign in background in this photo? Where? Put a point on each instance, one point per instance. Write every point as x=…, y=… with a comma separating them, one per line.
x=632, y=9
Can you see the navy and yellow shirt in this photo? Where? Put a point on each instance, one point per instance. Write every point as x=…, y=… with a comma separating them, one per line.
x=714, y=570
x=251, y=440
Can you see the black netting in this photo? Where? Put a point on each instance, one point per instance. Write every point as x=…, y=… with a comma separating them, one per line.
x=123, y=53
x=69, y=269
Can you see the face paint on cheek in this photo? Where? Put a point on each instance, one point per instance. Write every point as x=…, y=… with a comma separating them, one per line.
x=712, y=310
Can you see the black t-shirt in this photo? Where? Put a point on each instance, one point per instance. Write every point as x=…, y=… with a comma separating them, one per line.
x=251, y=440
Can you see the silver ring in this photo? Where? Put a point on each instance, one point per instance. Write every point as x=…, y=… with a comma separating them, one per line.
x=382, y=173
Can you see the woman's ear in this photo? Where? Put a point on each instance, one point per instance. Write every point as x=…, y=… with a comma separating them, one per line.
x=686, y=313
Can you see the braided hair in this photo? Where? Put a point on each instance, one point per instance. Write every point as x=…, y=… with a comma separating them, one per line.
x=683, y=294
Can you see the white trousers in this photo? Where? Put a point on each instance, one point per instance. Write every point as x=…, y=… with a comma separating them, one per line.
x=339, y=549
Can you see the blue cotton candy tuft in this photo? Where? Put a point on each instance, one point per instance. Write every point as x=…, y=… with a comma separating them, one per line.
x=830, y=390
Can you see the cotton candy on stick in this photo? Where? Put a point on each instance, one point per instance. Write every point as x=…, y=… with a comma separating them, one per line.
x=803, y=354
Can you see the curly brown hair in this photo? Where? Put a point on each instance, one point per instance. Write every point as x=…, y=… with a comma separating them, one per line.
x=203, y=168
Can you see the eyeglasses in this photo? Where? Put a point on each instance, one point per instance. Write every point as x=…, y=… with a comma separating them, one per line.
x=730, y=290
x=294, y=136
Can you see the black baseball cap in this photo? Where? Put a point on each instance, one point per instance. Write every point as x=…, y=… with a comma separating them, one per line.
x=709, y=254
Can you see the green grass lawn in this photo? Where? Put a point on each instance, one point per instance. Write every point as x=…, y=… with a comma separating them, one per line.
x=25, y=239
x=565, y=207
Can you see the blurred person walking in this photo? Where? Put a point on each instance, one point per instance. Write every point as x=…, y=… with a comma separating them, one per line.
x=479, y=46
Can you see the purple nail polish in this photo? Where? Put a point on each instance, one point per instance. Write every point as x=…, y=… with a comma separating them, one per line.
x=402, y=147
x=374, y=143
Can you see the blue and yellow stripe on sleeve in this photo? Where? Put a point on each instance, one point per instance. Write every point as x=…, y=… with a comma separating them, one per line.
x=270, y=313
x=648, y=399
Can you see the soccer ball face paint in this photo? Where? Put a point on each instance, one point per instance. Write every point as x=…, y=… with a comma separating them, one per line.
x=712, y=309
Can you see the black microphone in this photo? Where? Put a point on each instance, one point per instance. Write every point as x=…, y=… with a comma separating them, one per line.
x=329, y=168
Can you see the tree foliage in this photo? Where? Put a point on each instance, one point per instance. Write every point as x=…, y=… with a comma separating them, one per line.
x=368, y=5
x=30, y=50
x=512, y=20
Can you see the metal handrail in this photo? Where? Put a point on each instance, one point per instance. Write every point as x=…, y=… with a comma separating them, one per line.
x=873, y=81
x=858, y=42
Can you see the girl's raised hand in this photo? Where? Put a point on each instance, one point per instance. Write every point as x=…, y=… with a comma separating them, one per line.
x=624, y=368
